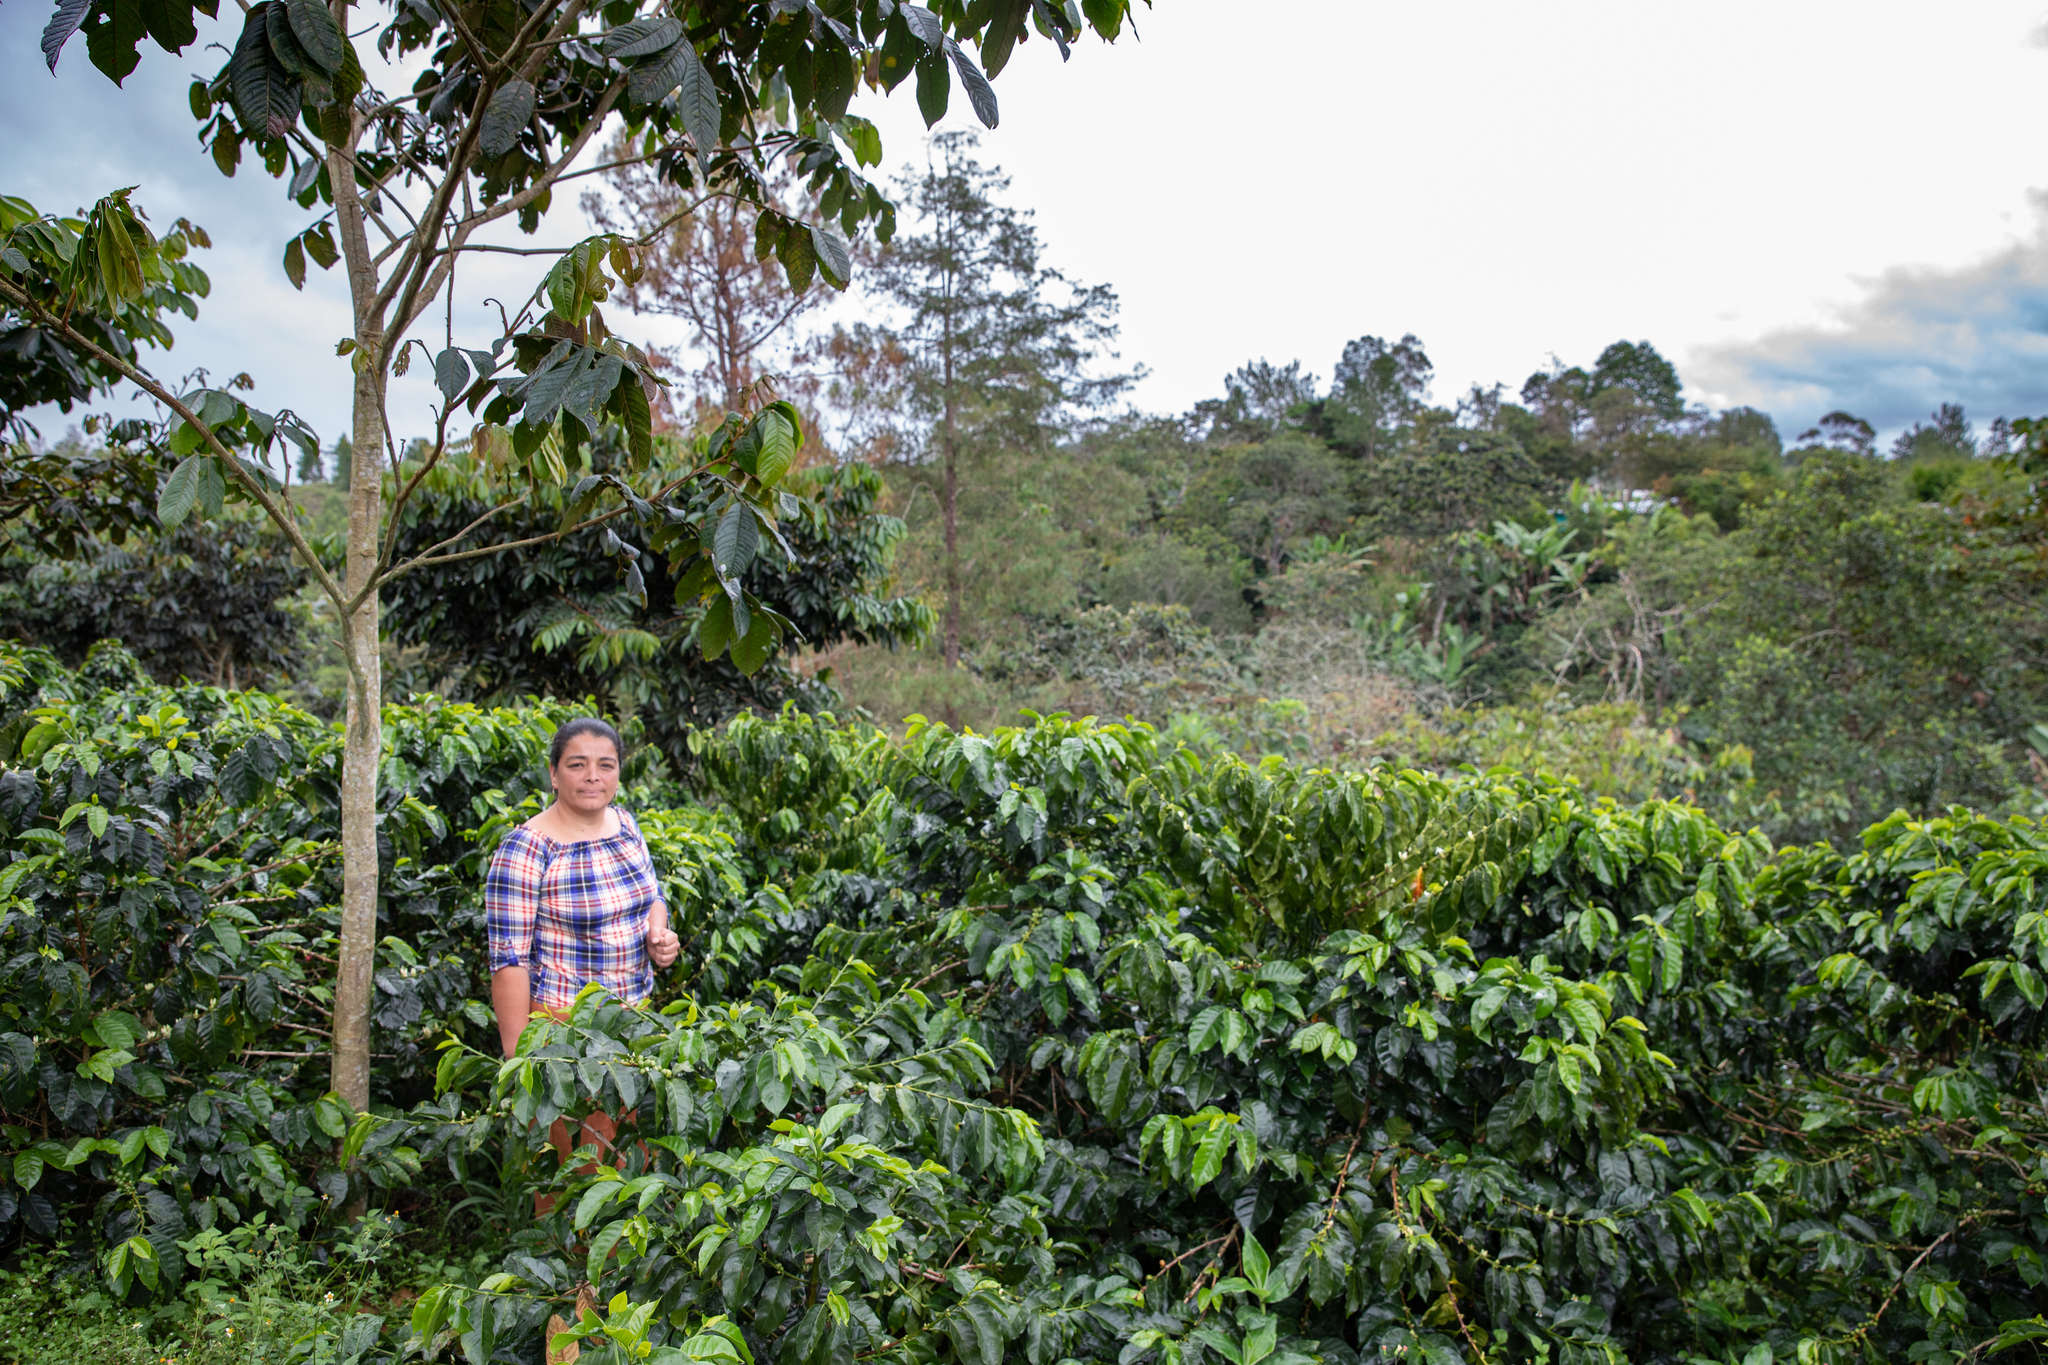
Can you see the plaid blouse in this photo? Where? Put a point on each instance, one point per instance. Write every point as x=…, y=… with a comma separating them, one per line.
x=574, y=913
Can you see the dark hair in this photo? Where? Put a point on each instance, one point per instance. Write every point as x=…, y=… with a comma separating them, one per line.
x=583, y=725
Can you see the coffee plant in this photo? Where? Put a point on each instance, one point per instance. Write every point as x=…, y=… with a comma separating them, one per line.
x=1058, y=1043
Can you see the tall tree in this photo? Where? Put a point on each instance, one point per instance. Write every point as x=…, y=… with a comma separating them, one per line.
x=1746, y=428
x=556, y=621
x=993, y=350
x=701, y=266
x=1945, y=435
x=1637, y=368
x=1839, y=430
x=401, y=186
x=1377, y=390
x=1259, y=398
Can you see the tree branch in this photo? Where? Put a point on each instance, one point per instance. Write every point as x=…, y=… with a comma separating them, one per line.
x=279, y=517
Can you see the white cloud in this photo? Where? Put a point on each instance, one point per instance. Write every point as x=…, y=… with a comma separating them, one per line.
x=1976, y=334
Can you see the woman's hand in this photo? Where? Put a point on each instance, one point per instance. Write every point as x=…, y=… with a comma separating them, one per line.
x=662, y=945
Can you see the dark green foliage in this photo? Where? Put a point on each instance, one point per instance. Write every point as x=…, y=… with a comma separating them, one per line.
x=1330, y=1066
x=1376, y=391
x=169, y=872
x=559, y=620
x=1636, y=369
x=1448, y=479
x=207, y=602
x=1060, y=1043
x=688, y=76
x=1874, y=652
x=1265, y=499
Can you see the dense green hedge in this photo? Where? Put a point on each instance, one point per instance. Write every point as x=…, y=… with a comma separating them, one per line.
x=1053, y=1043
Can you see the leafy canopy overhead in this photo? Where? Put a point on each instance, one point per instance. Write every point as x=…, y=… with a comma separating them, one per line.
x=718, y=90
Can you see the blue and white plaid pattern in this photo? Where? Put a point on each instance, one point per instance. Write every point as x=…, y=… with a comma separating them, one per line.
x=574, y=913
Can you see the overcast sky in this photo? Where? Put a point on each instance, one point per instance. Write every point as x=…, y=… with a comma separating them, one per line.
x=1822, y=204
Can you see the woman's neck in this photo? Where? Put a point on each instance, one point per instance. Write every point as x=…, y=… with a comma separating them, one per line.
x=574, y=824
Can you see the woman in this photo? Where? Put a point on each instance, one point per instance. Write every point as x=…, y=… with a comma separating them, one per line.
x=571, y=896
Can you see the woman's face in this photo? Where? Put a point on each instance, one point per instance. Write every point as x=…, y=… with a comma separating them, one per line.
x=587, y=778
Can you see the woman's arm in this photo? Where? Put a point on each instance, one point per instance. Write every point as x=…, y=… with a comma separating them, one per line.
x=512, y=1000
x=663, y=947
x=511, y=910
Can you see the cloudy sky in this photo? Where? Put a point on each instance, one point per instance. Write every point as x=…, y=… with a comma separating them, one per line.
x=1830, y=203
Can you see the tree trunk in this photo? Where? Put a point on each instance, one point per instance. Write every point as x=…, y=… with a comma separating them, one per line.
x=725, y=261
x=949, y=497
x=363, y=733
x=362, y=746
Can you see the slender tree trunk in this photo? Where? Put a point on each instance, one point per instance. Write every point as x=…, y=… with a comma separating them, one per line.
x=363, y=734
x=949, y=501
x=727, y=257
x=362, y=746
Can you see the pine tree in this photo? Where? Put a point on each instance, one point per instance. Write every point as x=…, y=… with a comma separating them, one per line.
x=994, y=351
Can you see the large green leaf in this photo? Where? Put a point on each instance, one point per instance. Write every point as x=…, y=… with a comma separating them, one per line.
x=550, y=384
x=925, y=25
x=777, y=446
x=835, y=258
x=1005, y=26
x=64, y=22
x=980, y=93
x=285, y=48
x=111, y=42
x=642, y=37
x=934, y=87
x=714, y=633
x=313, y=25
x=505, y=117
x=629, y=400
x=737, y=539
x=451, y=373
x=799, y=258
x=577, y=282
x=264, y=95
x=1106, y=16
x=751, y=650
x=699, y=103
x=181, y=491
x=115, y=248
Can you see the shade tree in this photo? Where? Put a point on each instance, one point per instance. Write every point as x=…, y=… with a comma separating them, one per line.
x=557, y=621
x=401, y=187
